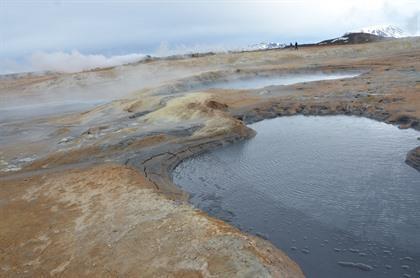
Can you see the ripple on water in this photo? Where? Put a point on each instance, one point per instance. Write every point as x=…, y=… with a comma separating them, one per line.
x=338, y=186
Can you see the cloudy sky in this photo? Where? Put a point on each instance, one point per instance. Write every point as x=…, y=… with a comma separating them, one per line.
x=42, y=35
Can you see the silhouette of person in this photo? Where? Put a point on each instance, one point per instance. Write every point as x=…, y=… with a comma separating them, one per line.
x=296, y=45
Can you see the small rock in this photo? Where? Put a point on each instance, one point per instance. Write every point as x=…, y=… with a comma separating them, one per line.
x=65, y=140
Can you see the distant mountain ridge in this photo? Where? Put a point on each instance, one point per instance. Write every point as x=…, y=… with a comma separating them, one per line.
x=368, y=34
x=353, y=38
x=386, y=31
x=363, y=35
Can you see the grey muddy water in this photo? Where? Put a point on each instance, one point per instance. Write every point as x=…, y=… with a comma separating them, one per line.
x=333, y=192
x=287, y=79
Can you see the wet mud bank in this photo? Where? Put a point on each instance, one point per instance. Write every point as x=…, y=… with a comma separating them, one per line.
x=158, y=167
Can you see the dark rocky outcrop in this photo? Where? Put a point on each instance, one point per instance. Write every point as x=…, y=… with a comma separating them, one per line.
x=413, y=158
x=353, y=38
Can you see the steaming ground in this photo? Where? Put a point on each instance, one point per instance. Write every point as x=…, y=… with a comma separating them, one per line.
x=53, y=93
x=69, y=62
x=93, y=185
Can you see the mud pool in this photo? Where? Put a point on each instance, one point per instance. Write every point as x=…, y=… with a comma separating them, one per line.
x=262, y=81
x=333, y=192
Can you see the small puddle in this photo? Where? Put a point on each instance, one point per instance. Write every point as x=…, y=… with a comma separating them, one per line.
x=333, y=192
x=258, y=82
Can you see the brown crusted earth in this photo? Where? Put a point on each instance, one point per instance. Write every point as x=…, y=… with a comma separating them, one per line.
x=108, y=220
x=90, y=194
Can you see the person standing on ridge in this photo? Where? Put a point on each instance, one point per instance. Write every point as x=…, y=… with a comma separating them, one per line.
x=296, y=46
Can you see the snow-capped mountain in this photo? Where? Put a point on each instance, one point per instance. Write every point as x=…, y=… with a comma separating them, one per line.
x=353, y=38
x=386, y=31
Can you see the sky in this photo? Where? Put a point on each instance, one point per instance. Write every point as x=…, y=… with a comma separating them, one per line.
x=74, y=34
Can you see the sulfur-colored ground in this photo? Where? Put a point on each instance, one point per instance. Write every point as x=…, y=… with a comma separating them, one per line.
x=89, y=193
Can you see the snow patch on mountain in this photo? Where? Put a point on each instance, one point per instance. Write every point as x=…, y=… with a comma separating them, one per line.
x=266, y=45
x=386, y=31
